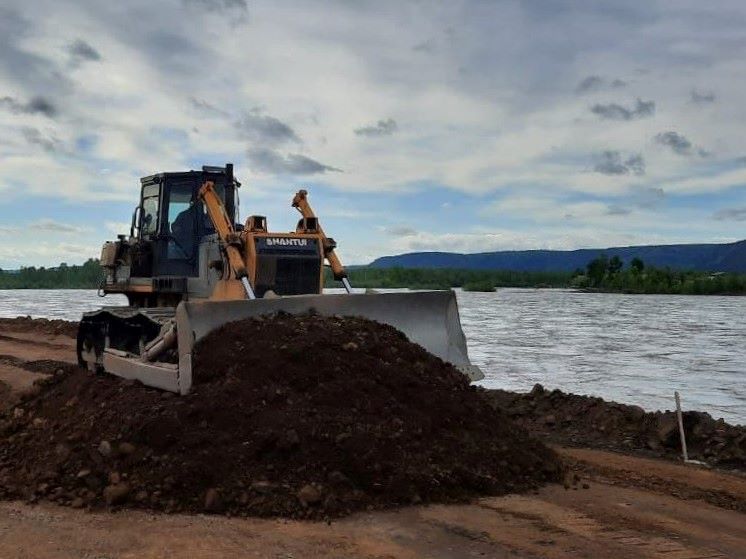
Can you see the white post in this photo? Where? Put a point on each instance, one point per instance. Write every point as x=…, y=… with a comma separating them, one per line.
x=347, y=285
x=681, y=426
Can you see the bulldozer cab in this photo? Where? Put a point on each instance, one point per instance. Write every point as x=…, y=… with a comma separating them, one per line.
x=171, y=220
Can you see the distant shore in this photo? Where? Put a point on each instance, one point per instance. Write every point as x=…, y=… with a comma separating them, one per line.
x=600, y=275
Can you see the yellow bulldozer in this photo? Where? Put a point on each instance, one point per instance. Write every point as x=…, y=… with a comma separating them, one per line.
x=187, y=267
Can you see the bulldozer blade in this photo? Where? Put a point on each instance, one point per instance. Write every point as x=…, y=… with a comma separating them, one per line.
x=428, y=318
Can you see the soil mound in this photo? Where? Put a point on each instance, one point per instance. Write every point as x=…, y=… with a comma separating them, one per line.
x=47, y=326
x=589, y=421
x=299, y=416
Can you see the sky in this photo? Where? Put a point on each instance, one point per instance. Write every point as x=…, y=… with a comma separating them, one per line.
x=415, y=125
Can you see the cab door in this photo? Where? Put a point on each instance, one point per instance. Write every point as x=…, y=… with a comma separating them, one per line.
x=178, y=241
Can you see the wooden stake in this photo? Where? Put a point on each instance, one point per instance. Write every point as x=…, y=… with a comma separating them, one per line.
x=681, y=426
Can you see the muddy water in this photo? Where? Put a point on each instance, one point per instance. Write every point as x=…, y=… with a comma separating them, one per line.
x=631, y=348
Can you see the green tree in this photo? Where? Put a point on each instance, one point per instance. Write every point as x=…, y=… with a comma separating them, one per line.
x=597, y=269
x=615, y=265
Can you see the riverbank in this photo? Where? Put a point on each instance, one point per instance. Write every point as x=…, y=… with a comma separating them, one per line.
x=585, y=421
x=601, y=274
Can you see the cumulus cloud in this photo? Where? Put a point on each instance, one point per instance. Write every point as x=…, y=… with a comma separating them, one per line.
x=679, y=144
x=564, y=238
x=35, y=105
x=20, y=65
x=615, y=209
x=702, y=97
x=590, y=83
x=207, y=108
x=237, y=11
x=172, y=80
x=648, y=196
x=117, y=227
x=265, y=130
x=614, y=111
x=427, y=46
x=380, y=128
x=612, y=163
x=35, y=137
x=730, y=214
x=80, y=51
x=52, y=226
x=218, y=5
x=400, y=231
x=597, y=83
x=270, y=161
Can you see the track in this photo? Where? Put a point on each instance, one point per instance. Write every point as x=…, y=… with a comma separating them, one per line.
x=601, y=521
x=125, y=328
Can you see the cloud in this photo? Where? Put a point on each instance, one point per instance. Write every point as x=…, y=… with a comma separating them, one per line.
x=50, y=225
x=174, y=53
x=473, y=126
x=427, y=46
x=597, y=83
x=81, y=51
x=35, y=105
x=612, y=163
x=236, y=10
x=591, y=83
x=35, y=137
x=270, y=161
x=218, y=5
x=117, y=227
x=615, y=209
x=702, y=97
x=730, y=214
x=679, y=144
x=23, y=62
x=400, y=231
x=648, y=197
x=207, y=108
x=45, y=253
x=566, y=237
x=381, y=128
x=614, y=111
x=265, y=130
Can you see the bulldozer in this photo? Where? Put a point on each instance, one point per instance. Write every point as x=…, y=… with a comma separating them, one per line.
x=188, y=266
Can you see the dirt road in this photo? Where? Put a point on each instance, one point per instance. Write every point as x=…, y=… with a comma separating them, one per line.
x=631, y=508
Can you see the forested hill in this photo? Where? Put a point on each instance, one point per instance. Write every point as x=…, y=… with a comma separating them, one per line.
x=729, y=257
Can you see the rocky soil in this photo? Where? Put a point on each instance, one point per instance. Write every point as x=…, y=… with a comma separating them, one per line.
x=39, y=326
x=570, y=419
x=304, y=416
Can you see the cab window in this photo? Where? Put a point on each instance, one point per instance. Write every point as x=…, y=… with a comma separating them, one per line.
x=182, y=226
x=149, y=216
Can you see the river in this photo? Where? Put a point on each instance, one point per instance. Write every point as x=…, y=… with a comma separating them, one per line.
x=634, y=349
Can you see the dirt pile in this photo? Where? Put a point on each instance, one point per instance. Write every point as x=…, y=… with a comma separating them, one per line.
x=46, y=326
x=293, y=416
x=588, y=421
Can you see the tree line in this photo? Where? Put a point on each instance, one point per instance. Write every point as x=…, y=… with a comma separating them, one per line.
x=446, y=278
x=611, y=274
x=85, y=276
x=601, y=274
